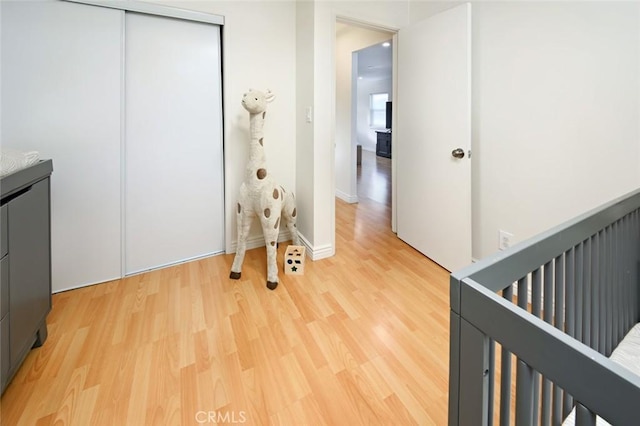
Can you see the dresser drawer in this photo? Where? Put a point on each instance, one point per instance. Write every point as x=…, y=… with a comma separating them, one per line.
x=4, y=286
x=4, y=245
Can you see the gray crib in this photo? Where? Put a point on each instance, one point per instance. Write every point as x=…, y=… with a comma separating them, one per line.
x=532, y=327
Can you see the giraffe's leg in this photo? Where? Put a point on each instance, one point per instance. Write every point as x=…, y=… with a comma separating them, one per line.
x=270, y=230
x=289, y=214
x=244, y=218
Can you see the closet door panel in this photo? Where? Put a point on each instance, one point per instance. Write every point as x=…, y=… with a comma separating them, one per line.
x=173, y=142
x=61, y=95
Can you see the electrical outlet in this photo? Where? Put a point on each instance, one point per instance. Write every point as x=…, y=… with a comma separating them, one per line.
x=505, y=240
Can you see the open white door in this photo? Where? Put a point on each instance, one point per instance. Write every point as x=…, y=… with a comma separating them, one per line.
x=433, y=127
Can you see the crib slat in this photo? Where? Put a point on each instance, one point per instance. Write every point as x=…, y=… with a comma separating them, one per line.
x=536, y=309
x=616, y=281
x=626, y=281
x=633, y=243
x=536, y=292
x=559, y=324
x=598, y=294
x=570, y=307
x=621, y=247
x=524, y=373
x=621, y=279
x=595, y=288
x=627, y=278
x=570, y=297
x=505, y=387
x=559, y=280
x=609, y=290
x=524, y=392
x=633, y=269
x=634, y=238
x=636, y=311
x=545, y=415
x=505, y=374
x=602, y=291
x=579, y=281
x=586, y=294
x=523, y=293
x=628, y=266
x=492, y=379
x=548, y=292
x=548, y=317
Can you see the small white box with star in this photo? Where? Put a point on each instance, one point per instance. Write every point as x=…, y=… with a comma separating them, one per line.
x=294, y=260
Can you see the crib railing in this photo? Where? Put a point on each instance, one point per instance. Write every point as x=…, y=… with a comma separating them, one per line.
x=532, y=327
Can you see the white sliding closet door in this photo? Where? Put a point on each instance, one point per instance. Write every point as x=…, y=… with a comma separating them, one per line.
x=173, y=141
x=61, y=95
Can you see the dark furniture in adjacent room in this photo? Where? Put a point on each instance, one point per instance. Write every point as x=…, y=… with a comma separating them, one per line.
x=25, y=265
x=383, y=144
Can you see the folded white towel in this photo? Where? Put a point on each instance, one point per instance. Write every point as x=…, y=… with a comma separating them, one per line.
x=12, y=160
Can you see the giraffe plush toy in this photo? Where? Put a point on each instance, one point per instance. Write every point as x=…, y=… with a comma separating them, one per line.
x=260, y=196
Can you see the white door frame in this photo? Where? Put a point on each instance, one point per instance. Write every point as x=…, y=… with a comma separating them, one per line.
x=352, y=20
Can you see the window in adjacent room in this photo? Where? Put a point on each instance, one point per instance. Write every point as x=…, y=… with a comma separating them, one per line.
x=377, y=110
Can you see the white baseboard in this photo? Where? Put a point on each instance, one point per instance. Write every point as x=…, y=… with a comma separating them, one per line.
x=317, y=253
x=258, y=240
x=351, y=199
x=314, y=253
x=322, y=252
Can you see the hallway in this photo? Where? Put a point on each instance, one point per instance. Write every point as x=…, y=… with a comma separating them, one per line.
x=374, y=178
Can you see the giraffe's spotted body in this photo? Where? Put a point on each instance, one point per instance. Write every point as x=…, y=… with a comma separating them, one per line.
x=260, y=196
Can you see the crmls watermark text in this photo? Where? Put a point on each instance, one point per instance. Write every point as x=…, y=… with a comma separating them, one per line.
x=214, y=417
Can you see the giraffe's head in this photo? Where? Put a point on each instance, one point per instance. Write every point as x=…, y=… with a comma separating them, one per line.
x=256, y=101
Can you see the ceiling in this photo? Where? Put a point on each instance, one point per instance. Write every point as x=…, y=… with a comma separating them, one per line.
x=375, y=62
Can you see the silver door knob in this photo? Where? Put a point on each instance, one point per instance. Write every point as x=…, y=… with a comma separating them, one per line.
x=457, y=153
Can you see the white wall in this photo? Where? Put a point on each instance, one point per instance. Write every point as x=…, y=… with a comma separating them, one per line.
x=350, y=38
x=367, y=136
x=555, y=105
x=556, y=108
x=259, y=52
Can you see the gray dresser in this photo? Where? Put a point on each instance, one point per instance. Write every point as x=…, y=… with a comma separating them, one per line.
x=25, y=265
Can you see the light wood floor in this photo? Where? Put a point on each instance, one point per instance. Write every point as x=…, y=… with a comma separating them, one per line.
x=374, y=178
x=361, y=338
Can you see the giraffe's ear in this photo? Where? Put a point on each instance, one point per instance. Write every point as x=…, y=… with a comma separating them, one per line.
x=269, y=96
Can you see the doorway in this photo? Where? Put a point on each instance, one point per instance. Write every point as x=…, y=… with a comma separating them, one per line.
x=372, y=79
x=364, y=65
